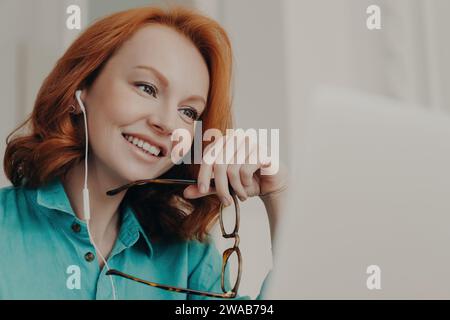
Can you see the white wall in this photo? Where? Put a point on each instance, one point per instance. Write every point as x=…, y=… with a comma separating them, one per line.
x=327, y=42
x=33, y=36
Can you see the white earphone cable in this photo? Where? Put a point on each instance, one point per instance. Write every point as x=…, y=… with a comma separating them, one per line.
x=87, y=213
x=103, y=259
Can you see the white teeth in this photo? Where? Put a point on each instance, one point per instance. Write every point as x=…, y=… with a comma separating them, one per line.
x=155, y=150
x=143, y=145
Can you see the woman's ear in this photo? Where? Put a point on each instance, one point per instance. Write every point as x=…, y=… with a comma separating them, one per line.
x=83, y=94
x=80, y=96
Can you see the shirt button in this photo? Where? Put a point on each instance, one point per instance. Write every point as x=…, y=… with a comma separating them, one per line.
x=76, y=227
x=89, y=256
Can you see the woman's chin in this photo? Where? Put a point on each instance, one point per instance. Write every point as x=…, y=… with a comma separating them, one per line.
x=134, y=176
x=131, y=174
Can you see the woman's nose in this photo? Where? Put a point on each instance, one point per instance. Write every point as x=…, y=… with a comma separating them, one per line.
x=163, y=124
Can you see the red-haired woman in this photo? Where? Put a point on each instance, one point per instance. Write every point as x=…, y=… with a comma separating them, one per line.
x=140, y=74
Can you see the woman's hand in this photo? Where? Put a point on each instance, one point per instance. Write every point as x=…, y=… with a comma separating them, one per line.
x=245, y=179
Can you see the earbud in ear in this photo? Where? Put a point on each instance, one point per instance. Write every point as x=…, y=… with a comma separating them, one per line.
x=78, y=97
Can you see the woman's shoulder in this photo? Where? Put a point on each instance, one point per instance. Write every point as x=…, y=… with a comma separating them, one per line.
x=10, y=198
x=9, y=192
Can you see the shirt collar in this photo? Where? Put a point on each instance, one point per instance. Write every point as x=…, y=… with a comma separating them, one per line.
x=131, y=230
x=53, y=196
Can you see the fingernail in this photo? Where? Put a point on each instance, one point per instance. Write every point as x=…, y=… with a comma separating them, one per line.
x=225, y=201
x=202, y=188
x=265, y=163
x=242, y=198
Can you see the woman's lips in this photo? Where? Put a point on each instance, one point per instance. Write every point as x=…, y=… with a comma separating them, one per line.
x=147, y=156
x=143, y=144
x=163, y=148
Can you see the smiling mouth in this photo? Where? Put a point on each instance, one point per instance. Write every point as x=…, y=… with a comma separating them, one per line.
x=144, y=147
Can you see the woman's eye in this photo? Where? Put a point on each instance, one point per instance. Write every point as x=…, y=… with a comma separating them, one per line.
x=191, y=113
x=151, y=90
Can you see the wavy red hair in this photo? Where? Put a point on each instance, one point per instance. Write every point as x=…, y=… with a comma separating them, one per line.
x=55, y=140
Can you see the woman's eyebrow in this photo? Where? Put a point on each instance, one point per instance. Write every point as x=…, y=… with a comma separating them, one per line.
x=165, y=82
x=158, y=74
x=196, y=98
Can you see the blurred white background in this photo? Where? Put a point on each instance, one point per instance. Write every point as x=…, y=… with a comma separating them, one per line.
x=283, y=49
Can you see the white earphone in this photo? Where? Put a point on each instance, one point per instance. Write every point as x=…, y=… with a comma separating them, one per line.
x=86, y=207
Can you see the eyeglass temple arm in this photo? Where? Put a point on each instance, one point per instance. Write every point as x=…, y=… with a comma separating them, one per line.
x=158, y=181
x=114, y=272
x=145, y=181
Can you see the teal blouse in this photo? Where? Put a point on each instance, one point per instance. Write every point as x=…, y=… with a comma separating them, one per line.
x=45, y=253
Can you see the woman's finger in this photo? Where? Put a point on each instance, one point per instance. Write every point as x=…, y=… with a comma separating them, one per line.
x=192, y=192
x=249, y=181
x=241, y=157
x=221, y=183
x=220, y=170
x=206, y=167
x=233, y=173
x=250, y=166
x=247, y=171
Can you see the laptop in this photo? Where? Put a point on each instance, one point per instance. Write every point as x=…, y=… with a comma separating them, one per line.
x=369, y=215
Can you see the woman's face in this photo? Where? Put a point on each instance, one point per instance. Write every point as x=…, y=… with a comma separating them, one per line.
x=155, y=83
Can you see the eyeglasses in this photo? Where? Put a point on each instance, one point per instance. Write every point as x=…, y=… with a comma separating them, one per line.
x=227, y=254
